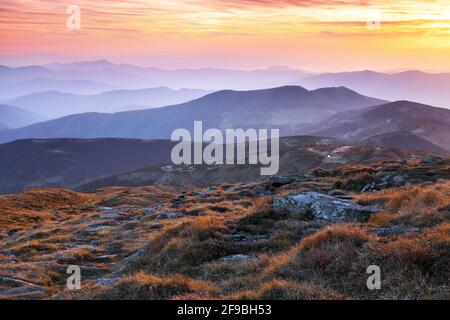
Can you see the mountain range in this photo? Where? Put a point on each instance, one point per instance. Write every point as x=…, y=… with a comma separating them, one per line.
x=55, y=104
x=288, y=108
x=124, y=76
x=428, y=88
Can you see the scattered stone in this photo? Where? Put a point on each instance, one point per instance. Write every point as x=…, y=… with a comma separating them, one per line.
x=370, y=187
x=236, y=258
x=313, y=205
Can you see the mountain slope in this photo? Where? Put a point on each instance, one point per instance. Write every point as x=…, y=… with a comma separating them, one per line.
x=298, y=155
x=426, y=122
x=67, y=162
x=287, y=108
x=428, y=88
x=12, y=117
x=56, y=104
x=402, y=140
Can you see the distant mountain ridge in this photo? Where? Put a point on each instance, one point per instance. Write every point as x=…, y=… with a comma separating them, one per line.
x=287, y=108
x=55, y=104
x=427, y=88
x=12, y=117
x=127, y=76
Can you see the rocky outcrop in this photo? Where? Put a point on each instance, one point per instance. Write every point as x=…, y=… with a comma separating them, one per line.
x=313, y=205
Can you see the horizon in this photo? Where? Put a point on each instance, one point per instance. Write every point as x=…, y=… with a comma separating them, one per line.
x=266, y=68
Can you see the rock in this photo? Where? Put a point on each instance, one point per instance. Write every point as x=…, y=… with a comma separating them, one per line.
x=313, y=205
x=236, y=258
x=167, y=215
x=430, y=159
x=394, y=230
x=96, y=229
x=399, y=179
x=107, y=282
x=281, y=181
x=113, y=215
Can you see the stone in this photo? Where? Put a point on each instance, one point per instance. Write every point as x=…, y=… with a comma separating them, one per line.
x=313, y=205
x=167, y=215
x=107, y=282
x=236, y=258
x=398, y=179
x=96, y=229
x=281, y=181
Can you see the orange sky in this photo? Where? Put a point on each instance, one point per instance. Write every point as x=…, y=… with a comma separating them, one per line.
x=315, y=35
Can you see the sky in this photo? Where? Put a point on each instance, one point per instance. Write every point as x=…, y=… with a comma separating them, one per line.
x=314, y=35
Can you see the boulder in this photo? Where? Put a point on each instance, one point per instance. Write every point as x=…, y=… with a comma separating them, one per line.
x=313, y=205
x=281, y=181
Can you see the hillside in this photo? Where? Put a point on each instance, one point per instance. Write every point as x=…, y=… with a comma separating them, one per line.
x=70, y=162
x=287, y=108
x=423, y=121
x=298, y=155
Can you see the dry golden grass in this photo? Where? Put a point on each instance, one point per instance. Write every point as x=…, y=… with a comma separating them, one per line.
x=142, y=286
x=182, y=258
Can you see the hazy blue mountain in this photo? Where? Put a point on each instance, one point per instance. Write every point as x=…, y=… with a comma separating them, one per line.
x=55, y=104
x=287, y=108
x=428, y=88
x=129, y=76
x=12, y=117
x=14, y=90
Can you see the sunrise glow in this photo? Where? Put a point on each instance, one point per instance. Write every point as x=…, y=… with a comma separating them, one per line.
x=315, y=35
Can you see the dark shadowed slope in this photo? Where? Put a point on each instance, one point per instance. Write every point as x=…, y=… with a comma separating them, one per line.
x=426, y=122
x=298, y=155
x=13, y=117
x=68, y=162
x=287, y=108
